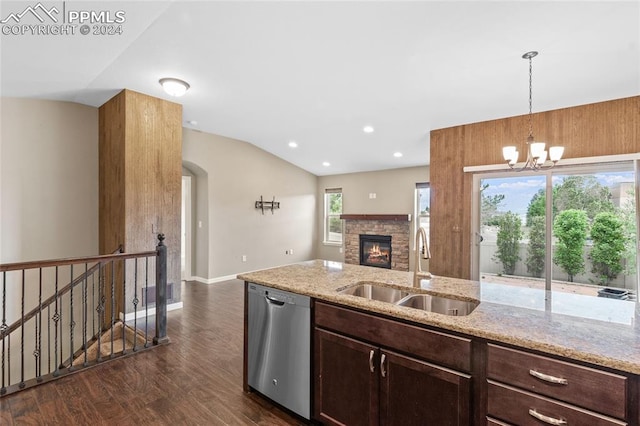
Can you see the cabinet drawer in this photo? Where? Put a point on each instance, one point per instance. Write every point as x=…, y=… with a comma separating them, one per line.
x=587, y=387
x=444, y=349
x=524, y=408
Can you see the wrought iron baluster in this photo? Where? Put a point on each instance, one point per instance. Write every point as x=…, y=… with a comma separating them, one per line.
x=55, y=318
x=22, y=384
x=48, y=339
x=146, y=302
x=37, y=353
x=9, y=359
x=72, y=323
x=3, y=329
x=93, y=301
x=60, y=323
x=135, y=303
x=113, y=303
x=85, y=318
x=124, y=304
x=100, y=309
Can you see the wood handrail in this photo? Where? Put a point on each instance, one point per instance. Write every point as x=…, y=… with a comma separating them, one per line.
x=73, y=260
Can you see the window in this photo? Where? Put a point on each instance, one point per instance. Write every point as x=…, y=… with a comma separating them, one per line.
x=423, y=193
x=570, y=229
x=332, y=212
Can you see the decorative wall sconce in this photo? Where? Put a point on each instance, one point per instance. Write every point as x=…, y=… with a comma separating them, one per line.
x=268, y=205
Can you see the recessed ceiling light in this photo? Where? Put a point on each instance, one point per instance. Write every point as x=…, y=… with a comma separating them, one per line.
x=397, y=154
x=326, y=163
x=174, y=86
x=293, y=144
x=368, y=129
x=192, y=122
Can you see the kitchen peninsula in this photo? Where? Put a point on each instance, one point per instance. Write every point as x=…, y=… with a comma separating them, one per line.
x=579, y=355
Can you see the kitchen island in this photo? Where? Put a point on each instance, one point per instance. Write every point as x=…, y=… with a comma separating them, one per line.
x=511, y=325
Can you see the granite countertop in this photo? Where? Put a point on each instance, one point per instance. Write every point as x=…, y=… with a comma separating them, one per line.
x=597, y=330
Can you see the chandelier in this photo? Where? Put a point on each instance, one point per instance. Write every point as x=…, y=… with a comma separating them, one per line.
x=536, y=152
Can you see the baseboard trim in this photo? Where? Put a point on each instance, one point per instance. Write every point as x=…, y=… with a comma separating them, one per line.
x=213, y=280
x=150, y=312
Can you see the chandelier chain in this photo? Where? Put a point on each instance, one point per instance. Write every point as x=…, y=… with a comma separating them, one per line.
x=530, y=98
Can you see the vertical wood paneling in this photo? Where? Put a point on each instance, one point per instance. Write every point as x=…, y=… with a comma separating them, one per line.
x=140, y=176
x=605, y=128
x=111, y=127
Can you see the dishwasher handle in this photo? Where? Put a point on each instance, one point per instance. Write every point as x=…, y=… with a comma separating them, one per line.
x=273, y=301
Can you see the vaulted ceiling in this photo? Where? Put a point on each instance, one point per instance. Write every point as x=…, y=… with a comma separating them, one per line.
x=317, y=72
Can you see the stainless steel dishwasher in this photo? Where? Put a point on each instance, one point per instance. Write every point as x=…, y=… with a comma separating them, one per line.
x=279, y=347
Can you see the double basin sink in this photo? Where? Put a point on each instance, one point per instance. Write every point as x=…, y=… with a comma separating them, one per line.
x=425, y=302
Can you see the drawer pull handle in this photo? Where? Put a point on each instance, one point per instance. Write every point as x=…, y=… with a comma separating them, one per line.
x=548, y=378
x=372, y=367
x=547, y=419
x=382, y=370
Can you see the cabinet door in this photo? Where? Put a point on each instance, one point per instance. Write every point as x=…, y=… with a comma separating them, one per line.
x=414, y=392
x=346, y=380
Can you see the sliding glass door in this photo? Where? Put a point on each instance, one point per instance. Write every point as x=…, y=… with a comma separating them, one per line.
x=566, y=229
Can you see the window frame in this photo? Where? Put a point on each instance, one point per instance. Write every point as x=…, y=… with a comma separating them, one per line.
x=584, y=168
x=417, y=215
x=328, y=216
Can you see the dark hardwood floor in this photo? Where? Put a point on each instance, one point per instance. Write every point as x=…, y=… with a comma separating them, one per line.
x=195, y=380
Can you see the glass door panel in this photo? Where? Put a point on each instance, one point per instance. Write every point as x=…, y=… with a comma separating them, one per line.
x=594, y=232
x=512, y=229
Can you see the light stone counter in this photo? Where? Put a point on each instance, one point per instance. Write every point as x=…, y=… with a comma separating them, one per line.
x=597, y=330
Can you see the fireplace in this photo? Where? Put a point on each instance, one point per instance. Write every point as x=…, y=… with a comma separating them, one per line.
x=375, y=250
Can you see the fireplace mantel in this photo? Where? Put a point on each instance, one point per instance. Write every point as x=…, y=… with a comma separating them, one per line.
x=393, y=217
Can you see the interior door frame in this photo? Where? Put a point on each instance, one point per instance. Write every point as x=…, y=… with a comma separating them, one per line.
x=187, y=231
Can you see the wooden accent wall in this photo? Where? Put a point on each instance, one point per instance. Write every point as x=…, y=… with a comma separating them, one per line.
x=140, y=149
x=605, y=128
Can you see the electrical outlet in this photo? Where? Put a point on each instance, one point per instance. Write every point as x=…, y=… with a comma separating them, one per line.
x=244, y=257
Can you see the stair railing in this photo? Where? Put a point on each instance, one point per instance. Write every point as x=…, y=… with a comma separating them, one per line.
x=102, y=293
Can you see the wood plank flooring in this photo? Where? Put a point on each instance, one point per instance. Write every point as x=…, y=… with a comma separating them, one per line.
x=195, y=380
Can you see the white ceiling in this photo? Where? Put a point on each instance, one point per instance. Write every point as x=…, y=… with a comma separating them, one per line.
x=317, y=72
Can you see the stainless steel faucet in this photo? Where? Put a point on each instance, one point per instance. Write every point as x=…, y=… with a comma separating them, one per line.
x=421, y=236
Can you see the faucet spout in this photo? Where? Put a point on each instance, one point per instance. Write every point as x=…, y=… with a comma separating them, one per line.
x=421, y=237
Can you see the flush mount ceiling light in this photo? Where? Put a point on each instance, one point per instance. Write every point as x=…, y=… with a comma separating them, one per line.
x=174, y=86
x=367, y=129
x=536, y=153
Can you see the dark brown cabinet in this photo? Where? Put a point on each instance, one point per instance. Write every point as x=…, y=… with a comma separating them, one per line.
x=530, y=389
x=346, y=388
x=413, y=392
x=371, y=383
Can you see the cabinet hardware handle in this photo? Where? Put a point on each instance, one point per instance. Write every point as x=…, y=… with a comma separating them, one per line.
x=548, y=378
x=372, y=368
x=547, y=419
x=382, y=370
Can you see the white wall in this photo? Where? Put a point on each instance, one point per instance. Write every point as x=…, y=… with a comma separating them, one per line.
x=237, y=174
x=395, y=194
x=48, y=180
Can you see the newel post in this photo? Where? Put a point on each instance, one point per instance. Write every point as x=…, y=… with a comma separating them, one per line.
x=161, y=293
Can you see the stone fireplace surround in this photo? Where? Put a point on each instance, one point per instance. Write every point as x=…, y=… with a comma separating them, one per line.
x=398, y=226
